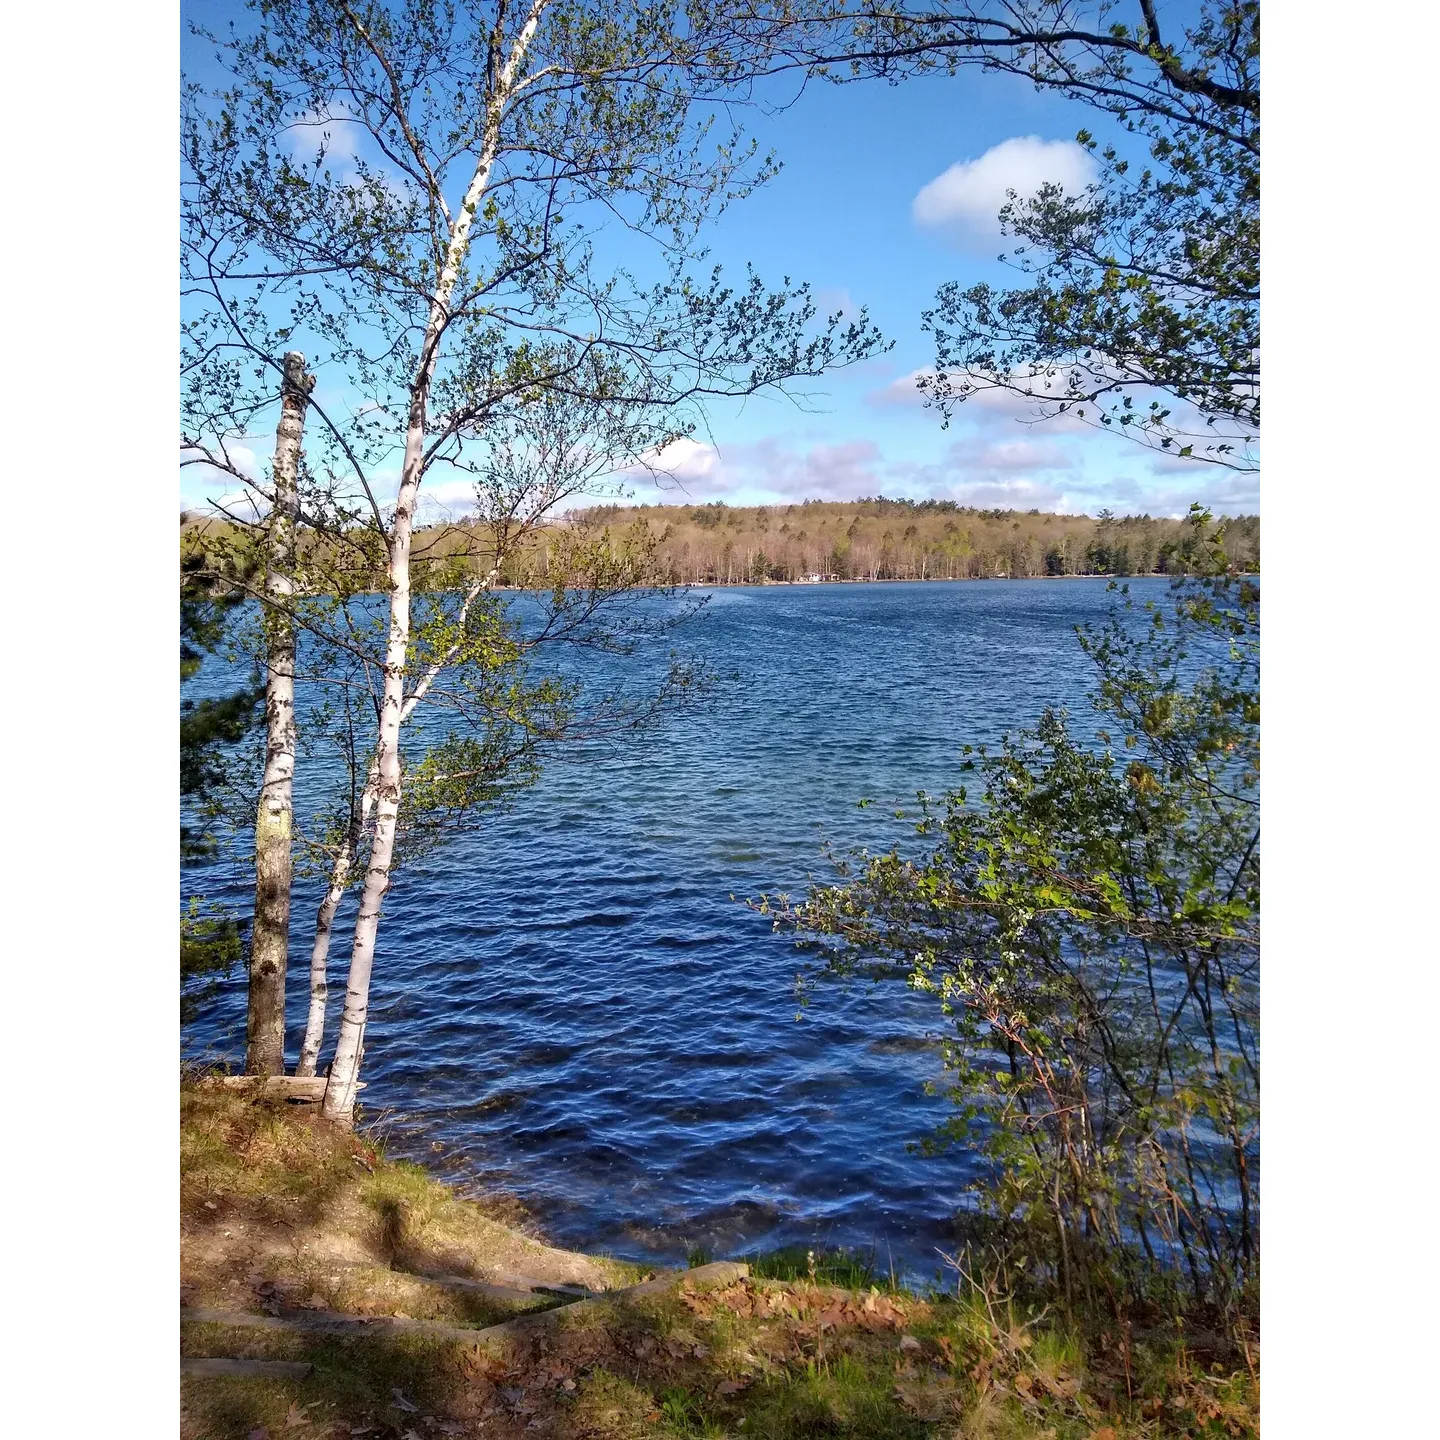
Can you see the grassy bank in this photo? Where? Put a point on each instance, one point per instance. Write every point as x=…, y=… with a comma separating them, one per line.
x=282, y=1217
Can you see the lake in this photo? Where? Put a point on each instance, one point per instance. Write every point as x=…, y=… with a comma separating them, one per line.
x=571, y=1005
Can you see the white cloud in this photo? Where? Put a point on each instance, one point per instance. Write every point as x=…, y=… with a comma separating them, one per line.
x=243, y=458
x=965, y=201
x=1008, y=495
x=337, y=130
x=683, y=463
x=343, y=137
x=445, y=499
x=987, y=467
x=832, y=472
x=203, y=485
x=1226, y=492
x=763, y=468
x=901, y=393
x=1011, y=455
x=989, y=403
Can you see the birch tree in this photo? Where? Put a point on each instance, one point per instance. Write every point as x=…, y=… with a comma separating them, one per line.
x=422, y=192
x=480, y=665
x=274, y=817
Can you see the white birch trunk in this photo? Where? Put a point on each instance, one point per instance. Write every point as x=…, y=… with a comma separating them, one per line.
x=274, y=815
x=320, y=958
x=345, y=859
x=339, y=1104
x=324, y=923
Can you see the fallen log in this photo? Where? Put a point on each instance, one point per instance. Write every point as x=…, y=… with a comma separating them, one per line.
x=308, y=1089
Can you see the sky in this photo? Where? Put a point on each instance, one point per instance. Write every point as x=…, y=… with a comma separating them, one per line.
x=886, y=193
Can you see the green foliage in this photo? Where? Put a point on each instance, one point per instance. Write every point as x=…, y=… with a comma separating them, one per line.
x=208, y=728
x=1142, y=311
x=210, y=947
x=210, y=936
x=487, y=340
x=1090, y=931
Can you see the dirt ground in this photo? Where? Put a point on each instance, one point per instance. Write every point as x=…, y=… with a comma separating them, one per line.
x=288, y=1225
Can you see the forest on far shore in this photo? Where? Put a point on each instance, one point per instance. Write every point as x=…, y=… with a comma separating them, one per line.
x=882, y=539
x=866, y=539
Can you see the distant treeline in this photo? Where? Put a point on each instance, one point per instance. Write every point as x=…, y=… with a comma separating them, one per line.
x=868, y=539
x=880, y=539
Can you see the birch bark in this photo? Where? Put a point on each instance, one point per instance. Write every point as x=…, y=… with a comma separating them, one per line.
x=274, y=815
x=345, y=859
x=324, y=924
x=339, y=1103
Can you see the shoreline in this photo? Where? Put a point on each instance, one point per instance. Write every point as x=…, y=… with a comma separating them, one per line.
x=323, y=1282
x=865, y=580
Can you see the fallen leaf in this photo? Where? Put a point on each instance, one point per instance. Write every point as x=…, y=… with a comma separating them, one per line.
x=259, y=1433
x=1105, y=1432
x=909, y=1342
x=1061, y=1386
x=730, y=1387
x=567, y=1383
x=1024, y=1384
x=296, y=1416
x=927, y=1400
x=401, y=1403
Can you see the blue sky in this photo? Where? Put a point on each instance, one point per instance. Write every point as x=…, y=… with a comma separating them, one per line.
x=887, y=192
x=843, y=215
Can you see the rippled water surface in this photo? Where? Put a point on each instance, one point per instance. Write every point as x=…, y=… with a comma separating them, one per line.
x=572, y=1005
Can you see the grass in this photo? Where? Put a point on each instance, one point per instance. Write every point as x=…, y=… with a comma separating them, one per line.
x=809, y=1346
x=278, y=1209
x=851, y=1269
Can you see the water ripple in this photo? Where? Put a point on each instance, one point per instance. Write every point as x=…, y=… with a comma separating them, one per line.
x=570, y=1001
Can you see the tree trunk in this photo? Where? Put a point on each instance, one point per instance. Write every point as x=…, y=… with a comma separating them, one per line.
x=339, y=1105
x=324, y=922
x=274, y=816
x=320, y=961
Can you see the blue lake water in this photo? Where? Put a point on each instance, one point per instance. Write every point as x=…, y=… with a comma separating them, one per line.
x=570, y=1003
